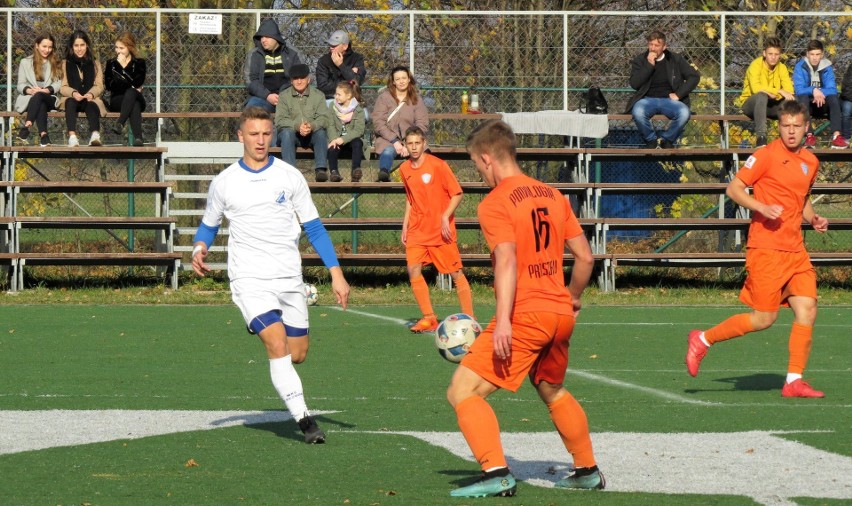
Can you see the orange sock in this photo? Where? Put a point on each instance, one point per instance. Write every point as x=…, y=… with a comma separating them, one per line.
x=801, y=338
x=479, y=426
x=734, y=326
x=573, y=427
x=421, y=295
x=464, y=294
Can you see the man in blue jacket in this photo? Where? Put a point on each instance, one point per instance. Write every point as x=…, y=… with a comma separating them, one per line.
x=816, y=88
x=662, y=80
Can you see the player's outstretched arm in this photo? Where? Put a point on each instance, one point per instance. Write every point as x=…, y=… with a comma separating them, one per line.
x=339, y=286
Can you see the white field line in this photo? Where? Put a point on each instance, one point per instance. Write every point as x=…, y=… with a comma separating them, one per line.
x=651, y=391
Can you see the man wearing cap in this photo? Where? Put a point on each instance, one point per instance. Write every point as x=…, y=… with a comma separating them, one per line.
x=302, y=117
x=341, y=63
x=266, y=66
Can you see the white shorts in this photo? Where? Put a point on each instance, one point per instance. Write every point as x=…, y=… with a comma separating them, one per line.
x=256, y=296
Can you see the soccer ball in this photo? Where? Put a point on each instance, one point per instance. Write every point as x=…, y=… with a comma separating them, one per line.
x=311, y=294
x=455, y=335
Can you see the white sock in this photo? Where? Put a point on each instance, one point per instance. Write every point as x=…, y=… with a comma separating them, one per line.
x=703, y=340
x=286, y=381
x=791, y=377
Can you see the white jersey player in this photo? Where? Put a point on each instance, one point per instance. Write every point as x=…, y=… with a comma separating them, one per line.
x=267, y=203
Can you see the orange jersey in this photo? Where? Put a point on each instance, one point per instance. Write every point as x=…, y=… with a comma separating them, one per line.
x=428, y=189
x=538, y=220
x=782, y=177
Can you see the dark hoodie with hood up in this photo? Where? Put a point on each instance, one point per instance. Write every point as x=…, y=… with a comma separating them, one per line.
x=266, y=72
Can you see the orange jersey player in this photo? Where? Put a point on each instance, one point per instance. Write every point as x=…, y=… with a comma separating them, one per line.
x=429, y=228
x=527, y=225
x=779, y=268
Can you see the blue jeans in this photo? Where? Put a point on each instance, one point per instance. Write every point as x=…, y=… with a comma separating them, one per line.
x=830, y=109
x=386, y=158
x=259, y=102
x=846, y=114
x=647, y=107
x=317, y=141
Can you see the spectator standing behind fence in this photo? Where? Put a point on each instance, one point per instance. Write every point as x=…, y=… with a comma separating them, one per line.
x=662, y=80
x=767, y=85
x=346, y=127
x=302, y=118
x=816, y=88
x=779, y=269
x=82, y=87
x=39, y=80
x=846, y=104
x=124, y=77
x=341, y=63
x=398, y=108
x=267, y=65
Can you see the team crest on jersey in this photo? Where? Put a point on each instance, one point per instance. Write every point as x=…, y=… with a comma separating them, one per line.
x=750, y=162
x=282, y=197
x=804, y=168
x=426, y=178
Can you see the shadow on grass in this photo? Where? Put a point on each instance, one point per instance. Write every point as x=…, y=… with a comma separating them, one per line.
x=289, y=429
x=754, y=382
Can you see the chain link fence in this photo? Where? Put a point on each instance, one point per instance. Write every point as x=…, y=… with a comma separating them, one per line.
x=514, y=61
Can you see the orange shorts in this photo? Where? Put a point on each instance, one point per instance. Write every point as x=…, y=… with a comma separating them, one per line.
x=774, y=275
x=539, y=349
x=445, y=257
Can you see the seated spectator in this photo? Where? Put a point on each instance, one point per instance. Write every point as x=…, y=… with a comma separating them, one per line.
x=267, y=65
x=341, y=63
x=346, y=129
x=662, y=80
x=124, y=77
x=816, y=88
x=302, y=118
x=767, y=85
x=39, y=79
x=82, y=87
x=846, y=105
x=398, y=108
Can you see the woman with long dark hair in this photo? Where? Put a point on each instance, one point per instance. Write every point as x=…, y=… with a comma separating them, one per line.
x=82, y=87
x=124, y=77
x=39, y=79
x=398, y=108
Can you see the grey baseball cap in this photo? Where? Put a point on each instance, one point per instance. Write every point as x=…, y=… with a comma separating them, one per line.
x=338, y=37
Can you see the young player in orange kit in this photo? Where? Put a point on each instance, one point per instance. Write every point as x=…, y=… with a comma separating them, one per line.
x=779, y=268
x=428, y=227
x=527, y=225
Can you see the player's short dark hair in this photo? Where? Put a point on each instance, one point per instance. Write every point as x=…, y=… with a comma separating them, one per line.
x=415, y=130
x=772, y=42
x=814, y=45
x=494, y=137
x=254, y=112
x=656, y=35
x=791, y=108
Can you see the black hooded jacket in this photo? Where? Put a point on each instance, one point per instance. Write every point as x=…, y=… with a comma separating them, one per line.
x=262, y=79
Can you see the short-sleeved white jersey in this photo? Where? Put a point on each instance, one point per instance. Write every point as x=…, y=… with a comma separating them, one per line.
x=265, y=210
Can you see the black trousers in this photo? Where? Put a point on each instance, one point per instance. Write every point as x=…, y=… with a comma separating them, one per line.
x=73, y=107
x=38, y=107
x=129, y=106
x=355, y=148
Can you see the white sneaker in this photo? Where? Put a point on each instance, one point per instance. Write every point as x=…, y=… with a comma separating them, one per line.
x=73, y=142
x=96, y=139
